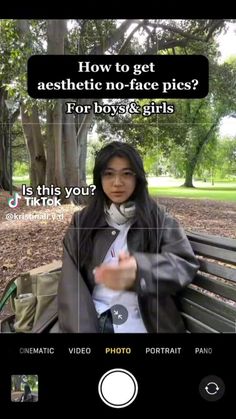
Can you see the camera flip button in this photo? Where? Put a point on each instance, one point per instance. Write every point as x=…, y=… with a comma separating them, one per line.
x=212, y=388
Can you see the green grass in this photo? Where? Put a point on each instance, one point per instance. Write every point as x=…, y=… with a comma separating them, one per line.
x=222, y=190
x=215, y=193
x=19, y=180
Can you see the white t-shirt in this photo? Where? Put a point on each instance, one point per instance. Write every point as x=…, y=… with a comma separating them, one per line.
x=104, y=298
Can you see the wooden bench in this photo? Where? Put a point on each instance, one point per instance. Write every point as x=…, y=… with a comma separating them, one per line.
x=209, y=303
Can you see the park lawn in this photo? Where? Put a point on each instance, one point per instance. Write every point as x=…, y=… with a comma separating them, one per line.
x=216, y=193
x=221, y=191
x=21, y=180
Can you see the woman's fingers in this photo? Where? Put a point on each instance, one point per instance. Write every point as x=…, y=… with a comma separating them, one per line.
x=104, y=272
x=118, y=277
x=123, y=255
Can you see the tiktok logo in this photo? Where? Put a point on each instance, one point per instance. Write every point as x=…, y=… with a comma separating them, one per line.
x=13, y=202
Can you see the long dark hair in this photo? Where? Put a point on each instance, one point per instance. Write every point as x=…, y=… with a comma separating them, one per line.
x=95, y=208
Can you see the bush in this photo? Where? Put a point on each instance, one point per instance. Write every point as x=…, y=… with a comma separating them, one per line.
x=21, y=169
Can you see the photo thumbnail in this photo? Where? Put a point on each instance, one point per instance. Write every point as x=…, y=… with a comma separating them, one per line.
x=24, y=388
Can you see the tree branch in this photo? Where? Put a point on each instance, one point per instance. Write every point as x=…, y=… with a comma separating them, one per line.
x=115, y=37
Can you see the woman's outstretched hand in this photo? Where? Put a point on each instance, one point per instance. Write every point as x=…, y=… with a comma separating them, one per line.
x=119, y=277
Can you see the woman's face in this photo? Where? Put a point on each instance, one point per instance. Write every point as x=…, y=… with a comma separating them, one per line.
x=118, y=180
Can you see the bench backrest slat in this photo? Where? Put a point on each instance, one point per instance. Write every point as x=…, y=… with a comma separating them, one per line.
x=218, y=270
x=214, y=252
x=216, y=241
x=205, y=316
x=211, y=303
x=196, y=326
x=216, y=286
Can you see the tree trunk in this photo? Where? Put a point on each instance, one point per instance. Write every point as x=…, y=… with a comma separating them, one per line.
x=189, y=171
x=56, y=32
x=4, y=143
x=27, y=130
x=59, y=179
x=7, y=119
x=16, y=382
x=4, y=174
x=82, y=135
x=31, y=126
x=40, y=158
x=50, y=150
x=83, y=157
x=191, y=161
x=34, y=142
x=70, y=151
x=83, y=126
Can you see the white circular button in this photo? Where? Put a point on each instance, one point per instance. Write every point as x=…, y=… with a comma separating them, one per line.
x=118, y=388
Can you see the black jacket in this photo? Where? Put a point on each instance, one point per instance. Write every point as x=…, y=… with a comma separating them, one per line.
x=165, y=266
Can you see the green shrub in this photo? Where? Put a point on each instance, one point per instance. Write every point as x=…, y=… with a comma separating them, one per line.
x=21, y=169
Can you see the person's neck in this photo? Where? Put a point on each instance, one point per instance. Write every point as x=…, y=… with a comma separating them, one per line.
x=121, y=213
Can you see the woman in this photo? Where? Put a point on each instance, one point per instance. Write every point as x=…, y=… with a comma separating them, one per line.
x=27, y=396
x=125, y=258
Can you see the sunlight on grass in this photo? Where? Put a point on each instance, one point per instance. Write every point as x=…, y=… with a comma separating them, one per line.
x=196, y=193
x=19, y=180
x=165, y=186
